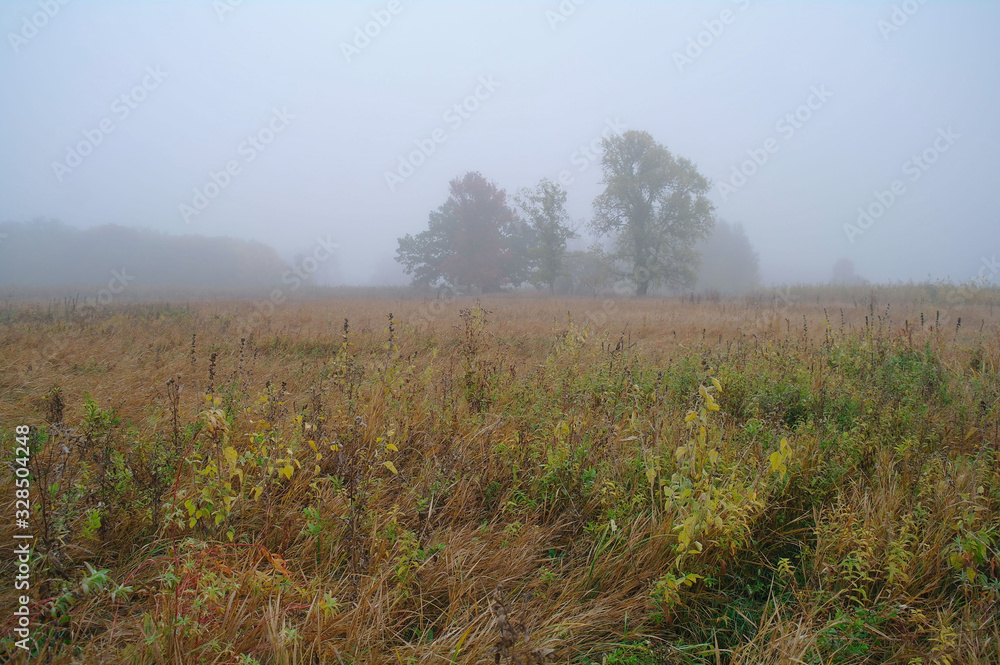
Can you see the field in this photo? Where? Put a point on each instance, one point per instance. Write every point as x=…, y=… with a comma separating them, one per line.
x=809, y=478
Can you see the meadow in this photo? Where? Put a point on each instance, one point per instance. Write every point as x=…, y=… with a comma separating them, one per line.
x=810, y=478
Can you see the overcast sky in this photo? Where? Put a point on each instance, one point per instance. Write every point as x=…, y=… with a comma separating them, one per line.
x=310, y=115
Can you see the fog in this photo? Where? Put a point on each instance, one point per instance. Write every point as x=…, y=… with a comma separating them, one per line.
x=278, y=122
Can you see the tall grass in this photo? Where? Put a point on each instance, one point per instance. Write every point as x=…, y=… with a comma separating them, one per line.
x=512, y=480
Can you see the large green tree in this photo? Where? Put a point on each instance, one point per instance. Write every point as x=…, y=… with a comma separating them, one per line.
x=472, y=240
x=654, y=205
x=543, y=210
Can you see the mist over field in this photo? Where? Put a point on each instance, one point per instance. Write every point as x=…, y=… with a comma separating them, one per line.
x=827, y=131
x=522, y=333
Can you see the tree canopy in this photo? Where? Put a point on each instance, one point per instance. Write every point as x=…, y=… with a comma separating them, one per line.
x=87, y=257
x=543, y=209
x=655, y=208
x=470, y=241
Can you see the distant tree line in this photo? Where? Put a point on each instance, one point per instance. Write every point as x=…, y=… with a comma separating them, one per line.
x=50, y=253
x=653, y=219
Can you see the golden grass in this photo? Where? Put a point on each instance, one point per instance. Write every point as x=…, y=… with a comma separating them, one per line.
x=511, y=480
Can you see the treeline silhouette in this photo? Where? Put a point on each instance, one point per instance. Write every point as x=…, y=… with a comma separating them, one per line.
x=51, y=253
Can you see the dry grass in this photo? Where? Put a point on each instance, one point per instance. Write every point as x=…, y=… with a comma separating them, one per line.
x=516, y=481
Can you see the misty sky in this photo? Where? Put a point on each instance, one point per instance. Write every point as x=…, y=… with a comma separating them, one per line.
x=183, y=87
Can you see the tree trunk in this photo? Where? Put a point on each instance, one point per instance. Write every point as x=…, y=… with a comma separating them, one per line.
x=641, y=288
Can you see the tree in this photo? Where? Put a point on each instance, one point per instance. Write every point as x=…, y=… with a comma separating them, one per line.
x=655, y=206
x=544, y=211
x=471, y=240
x=729, y=262
x=86, y=258
x=844, y=274
x=589, y=270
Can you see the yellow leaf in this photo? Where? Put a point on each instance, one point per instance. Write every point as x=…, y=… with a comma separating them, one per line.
x=690, y=416
x=312, y=444
x=231, y=456
x=279, y=565
x=392, y=447
x=287, y=471
x=650, y=475
x=391, y=467
x=718, y=386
